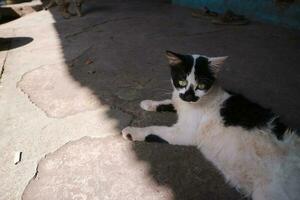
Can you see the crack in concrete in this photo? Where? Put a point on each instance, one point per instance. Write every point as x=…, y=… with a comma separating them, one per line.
x=71, y=61
x=2, y=67
x=201, y=33
x=95, y=25
x=187, y=35
x=131, y=114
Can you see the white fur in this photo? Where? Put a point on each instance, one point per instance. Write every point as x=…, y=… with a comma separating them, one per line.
x=191, y=77
x=150, y=105
x=253, y=161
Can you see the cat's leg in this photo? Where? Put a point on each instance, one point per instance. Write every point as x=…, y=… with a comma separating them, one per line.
x=158, y=106
x=162, y=134
x=49, y=5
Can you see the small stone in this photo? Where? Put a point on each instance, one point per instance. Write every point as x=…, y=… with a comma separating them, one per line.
x=88, y=62
x=91, y=72
x=17, y=157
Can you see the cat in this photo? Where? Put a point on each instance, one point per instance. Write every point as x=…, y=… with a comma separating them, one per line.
x=64, y=7
x=254, y=150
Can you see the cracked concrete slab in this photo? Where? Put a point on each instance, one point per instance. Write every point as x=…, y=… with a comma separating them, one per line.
x=3, y=55
x=56, y=92
x=111, y=169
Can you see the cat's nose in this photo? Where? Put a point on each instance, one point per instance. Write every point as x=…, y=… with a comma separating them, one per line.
x=189, y=95
x=189, y=98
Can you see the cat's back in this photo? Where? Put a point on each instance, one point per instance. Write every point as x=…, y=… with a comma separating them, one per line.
x=238, y=111
x=249, y=144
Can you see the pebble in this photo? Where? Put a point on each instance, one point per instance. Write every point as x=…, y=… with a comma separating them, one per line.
x=17, y=157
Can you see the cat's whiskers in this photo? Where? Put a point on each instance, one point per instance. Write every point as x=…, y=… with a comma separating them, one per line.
x=166, y=94
x=162, y=89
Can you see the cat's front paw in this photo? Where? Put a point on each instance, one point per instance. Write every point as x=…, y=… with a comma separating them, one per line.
x=148, y=105
x=133, y=134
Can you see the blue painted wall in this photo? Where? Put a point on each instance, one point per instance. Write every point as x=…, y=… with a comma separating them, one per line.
x=287, y=14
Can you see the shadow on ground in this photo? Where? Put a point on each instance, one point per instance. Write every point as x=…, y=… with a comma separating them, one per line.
x=14, y=42
x=117, y=51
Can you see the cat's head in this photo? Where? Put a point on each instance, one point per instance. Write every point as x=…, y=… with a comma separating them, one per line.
x=193, y=75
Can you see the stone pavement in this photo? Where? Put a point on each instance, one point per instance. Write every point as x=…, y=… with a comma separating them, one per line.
x=84, y=169
x=66, y=79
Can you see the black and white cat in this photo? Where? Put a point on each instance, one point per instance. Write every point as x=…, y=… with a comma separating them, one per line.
x=248, y=143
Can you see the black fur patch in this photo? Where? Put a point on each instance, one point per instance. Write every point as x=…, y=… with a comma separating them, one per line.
x=180, y=71
x=203, y=73
x=238, y=111
x=279, y=128
x=165, y=108
x=155, y=138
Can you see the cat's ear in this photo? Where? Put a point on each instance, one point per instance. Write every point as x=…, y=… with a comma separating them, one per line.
x=173, y=58
x=216, y=63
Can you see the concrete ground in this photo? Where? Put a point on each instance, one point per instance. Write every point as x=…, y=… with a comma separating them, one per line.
x=66, y=79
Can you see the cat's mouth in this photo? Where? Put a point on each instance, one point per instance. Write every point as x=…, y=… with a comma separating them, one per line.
x=189, y=97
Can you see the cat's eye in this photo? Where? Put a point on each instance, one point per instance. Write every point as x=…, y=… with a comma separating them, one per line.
x=182, y=83
x=201, y=86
